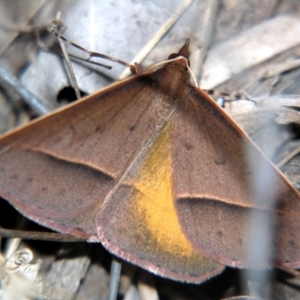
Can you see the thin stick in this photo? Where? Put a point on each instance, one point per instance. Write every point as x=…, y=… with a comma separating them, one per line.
x=202, y=32
x=14, y=35
x=39, y=235
x=290, y=156
x=52, y=29
x=35, y=103
x=68, y=62
x=115, y=274
x=90, y=62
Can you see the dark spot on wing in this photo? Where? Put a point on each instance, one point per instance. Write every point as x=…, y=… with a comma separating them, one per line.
x=131, y=128
x=220, y=161
x=15, y=176
x=80, y=229
x=63, y=192
x=30, y=179
x=72, y=128
x=98, y=129
x=248, y=172
x=188, y=146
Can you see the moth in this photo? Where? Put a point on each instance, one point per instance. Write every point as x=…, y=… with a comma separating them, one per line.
x=155, y=170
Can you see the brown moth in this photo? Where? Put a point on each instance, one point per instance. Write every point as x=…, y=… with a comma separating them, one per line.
x=153, y=169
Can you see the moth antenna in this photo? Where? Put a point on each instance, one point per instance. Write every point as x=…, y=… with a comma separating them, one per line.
x=192, y=76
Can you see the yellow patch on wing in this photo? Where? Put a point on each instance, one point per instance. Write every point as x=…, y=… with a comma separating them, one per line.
x=155, y=200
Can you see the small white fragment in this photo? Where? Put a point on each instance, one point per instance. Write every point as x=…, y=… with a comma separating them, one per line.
x=18, y=276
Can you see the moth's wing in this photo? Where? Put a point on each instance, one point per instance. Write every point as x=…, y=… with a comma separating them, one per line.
x=213, y=183
x=74, y=167
x=59, y=169
x=139, y=222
